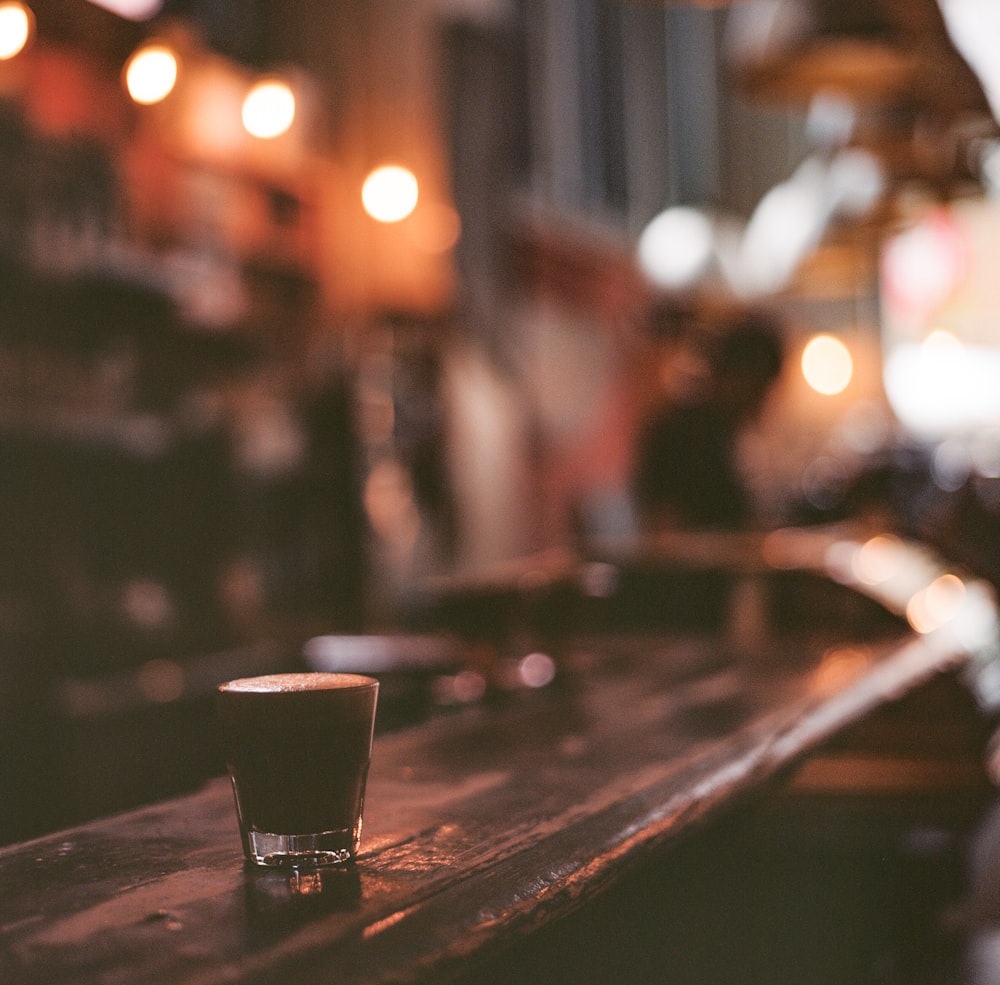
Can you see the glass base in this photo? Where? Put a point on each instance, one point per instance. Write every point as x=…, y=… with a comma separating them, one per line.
x=324, y=848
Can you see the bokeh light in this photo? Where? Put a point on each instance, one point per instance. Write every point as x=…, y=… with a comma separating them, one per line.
x=879, y=559
x=390, y=193
x=151, y=74
x=676, y=247
x=537, y=670
x=839, y=666
x=435, y=227
x=269, y=109
x=941, y=384
x=944, y=597
x=786, y=224
x=827, y=365
x=161, y=681
x=937, y=604
x=133, y=10
x=923, y=265
x=16, y=26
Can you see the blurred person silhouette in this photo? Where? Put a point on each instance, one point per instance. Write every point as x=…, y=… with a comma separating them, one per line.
x=686, y=472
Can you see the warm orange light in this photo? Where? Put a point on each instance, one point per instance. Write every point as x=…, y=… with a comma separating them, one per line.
x=16, y=26
x=151, y=74
x=390, y=193
x=879, y=559
x=436, y=228
x=827, y=365
x=839, y=666
x=269, y=109
x=944, y=597
x=936, y=604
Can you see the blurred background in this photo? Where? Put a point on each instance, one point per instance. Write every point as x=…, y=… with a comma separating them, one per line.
x=303, y=304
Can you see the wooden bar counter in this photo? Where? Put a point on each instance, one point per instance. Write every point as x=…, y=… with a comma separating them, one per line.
x=488, y=822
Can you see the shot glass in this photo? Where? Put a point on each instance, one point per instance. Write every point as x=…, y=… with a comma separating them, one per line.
x=298, y=748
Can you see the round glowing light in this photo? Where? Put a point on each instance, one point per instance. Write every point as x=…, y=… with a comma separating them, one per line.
x=917, y=615
x=878, y=559
x=937, y=604
x=676, y=247
x=469, y=686
x=839, y=666
x=16, y=25
x=269, y=109
x=151, y=74
x=827, y=365
x=537, y=670
x=162, y=681
x=941, y=345
x=922, y=266
x=944, y=597
x=390, y=193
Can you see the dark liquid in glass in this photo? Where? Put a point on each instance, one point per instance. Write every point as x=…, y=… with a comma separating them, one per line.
x=298, y=747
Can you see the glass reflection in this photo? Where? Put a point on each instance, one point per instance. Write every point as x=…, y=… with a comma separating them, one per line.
x=279, y=900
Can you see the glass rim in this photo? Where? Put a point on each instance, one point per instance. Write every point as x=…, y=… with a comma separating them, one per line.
x=298, y=683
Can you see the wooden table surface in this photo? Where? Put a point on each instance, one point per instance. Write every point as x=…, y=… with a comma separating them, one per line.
x=481, y=824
